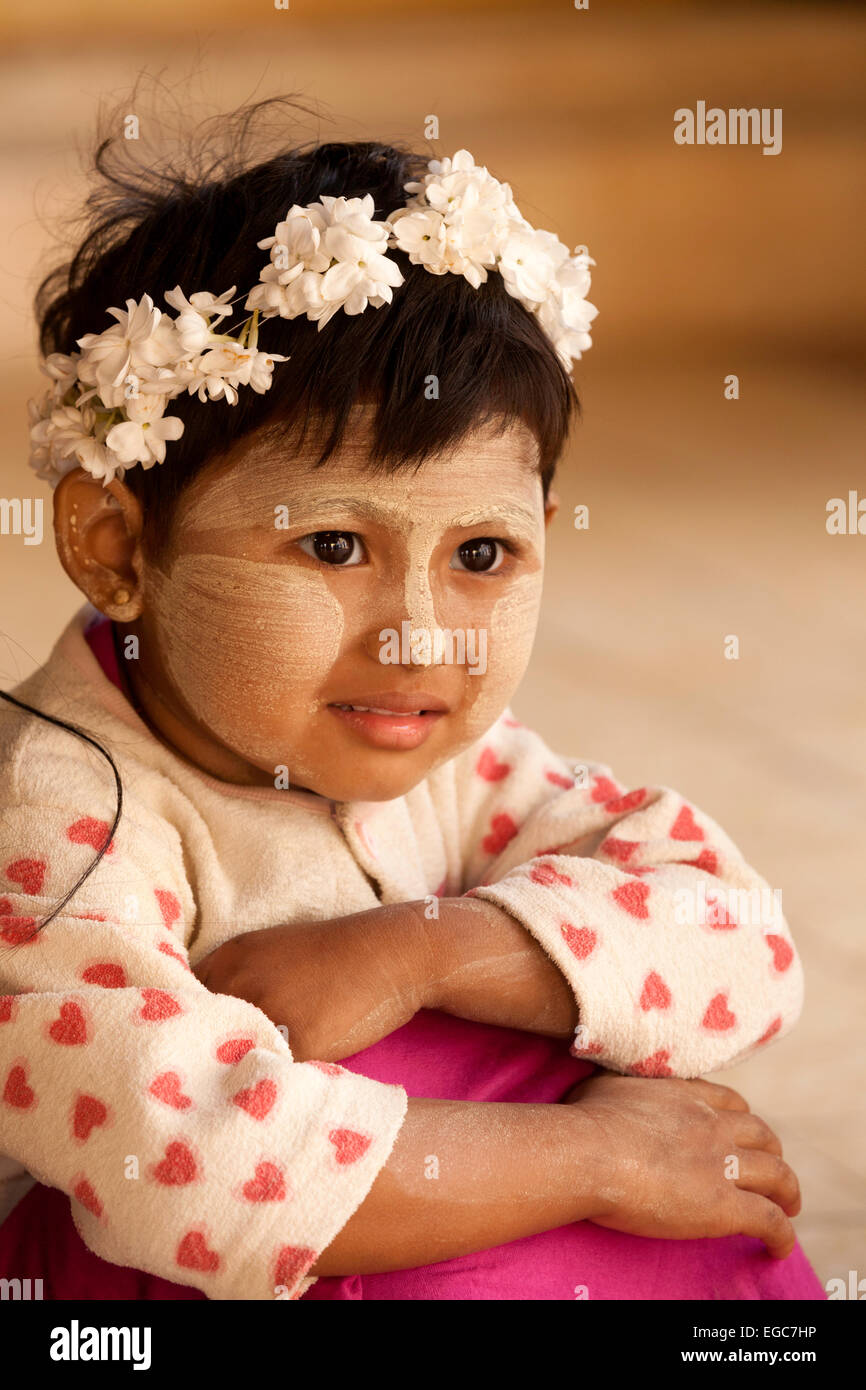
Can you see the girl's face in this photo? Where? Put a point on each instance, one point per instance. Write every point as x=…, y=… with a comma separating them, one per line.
x=347, y=630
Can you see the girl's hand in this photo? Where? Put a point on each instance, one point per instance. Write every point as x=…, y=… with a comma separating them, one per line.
x=338, y=986
x=685, y=1159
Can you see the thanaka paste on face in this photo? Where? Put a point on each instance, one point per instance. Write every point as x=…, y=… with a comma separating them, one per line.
x=257, y=647
x=243, y=642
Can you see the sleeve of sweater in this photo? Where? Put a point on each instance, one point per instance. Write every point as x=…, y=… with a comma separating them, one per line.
x=191, y=1144
x=678, y=954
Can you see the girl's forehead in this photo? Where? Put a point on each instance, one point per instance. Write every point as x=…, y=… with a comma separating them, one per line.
x=489, y=473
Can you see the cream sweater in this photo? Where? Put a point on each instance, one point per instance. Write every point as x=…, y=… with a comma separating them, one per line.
x=191, y=1144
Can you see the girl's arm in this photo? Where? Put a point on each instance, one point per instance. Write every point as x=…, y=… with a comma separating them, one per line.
x=639, y=1156
x=338, y=986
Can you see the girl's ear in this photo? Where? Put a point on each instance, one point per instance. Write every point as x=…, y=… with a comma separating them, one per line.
x=551, y=507
x=97, y=529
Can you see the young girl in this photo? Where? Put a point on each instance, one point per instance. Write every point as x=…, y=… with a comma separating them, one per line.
x=287, y=892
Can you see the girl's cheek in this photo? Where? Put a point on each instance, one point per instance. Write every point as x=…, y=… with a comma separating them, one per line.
x=247, y=645
x=510, y=634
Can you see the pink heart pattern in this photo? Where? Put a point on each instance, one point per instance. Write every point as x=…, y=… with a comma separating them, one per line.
x=581, y=941
x=167, y=1087
x=89, y=831
x=258, y=1100
x=718, y=1017
x=293, y=1261
x=349, y=1145
x=70, y=1029
x=267, y=1185
x=632, y=898
x=29, y=874
x=490, y=768
x=503, y=829
x=685, y=827
x=89, y=1114
x=178, y=1168
x=655, y=993
x=194, y=1253
x=16, y=1092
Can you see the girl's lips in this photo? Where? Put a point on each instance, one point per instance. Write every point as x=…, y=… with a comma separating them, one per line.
x=382, y=726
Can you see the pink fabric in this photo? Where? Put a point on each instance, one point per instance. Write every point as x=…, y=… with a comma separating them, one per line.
x=100, y=638
x=447, y=1058
x=438, y=1056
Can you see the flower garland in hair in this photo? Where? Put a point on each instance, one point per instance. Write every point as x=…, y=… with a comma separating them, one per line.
x=129, y=373
x=464, y=221
x=105, y=409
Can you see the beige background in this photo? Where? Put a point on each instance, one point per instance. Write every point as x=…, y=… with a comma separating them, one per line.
x=707, y=515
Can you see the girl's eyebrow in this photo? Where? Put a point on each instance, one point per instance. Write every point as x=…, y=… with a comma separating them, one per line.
x=515, y=513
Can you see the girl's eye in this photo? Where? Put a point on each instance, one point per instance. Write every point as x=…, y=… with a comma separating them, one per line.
x=480, y=556
x=333, y=547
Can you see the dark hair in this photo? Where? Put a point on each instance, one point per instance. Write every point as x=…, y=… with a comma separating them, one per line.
x=197, y=224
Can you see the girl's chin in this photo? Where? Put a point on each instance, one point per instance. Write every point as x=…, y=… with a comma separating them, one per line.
x=367, y=774
x=364, y=783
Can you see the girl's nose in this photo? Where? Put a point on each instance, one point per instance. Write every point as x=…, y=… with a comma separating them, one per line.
x=418, y=602
x=410, y=635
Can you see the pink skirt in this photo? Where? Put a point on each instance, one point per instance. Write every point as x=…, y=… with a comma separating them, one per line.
x=448, y=1058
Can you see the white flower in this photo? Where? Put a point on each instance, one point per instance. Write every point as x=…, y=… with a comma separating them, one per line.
x=143, y=441
x=304, y=296
x=349, y=228
x=142, y=337
x=352, y=284
x=569, y=341
x=331, y=255
x=195, y=314
x=566, y=314
x=62, y=368
x=474, y=209
x=168, y=381
x=146, y=407
x=421, y=235
x=228, y=365
x=97, y=460
x=262, y=371
x=446, y=184
x=269, y=298
x=528, y=263
x=294, y=253
x=295, y=245
x=64, y=439
x=462, y=220
x=45, y=458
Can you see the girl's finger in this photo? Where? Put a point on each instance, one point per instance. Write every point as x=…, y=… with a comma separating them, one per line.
x=764, y=1219
x=772, y=1177
x=720, y=1097
x=751, y=1132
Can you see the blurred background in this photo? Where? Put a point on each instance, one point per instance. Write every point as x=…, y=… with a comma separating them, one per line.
x=707, y=515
